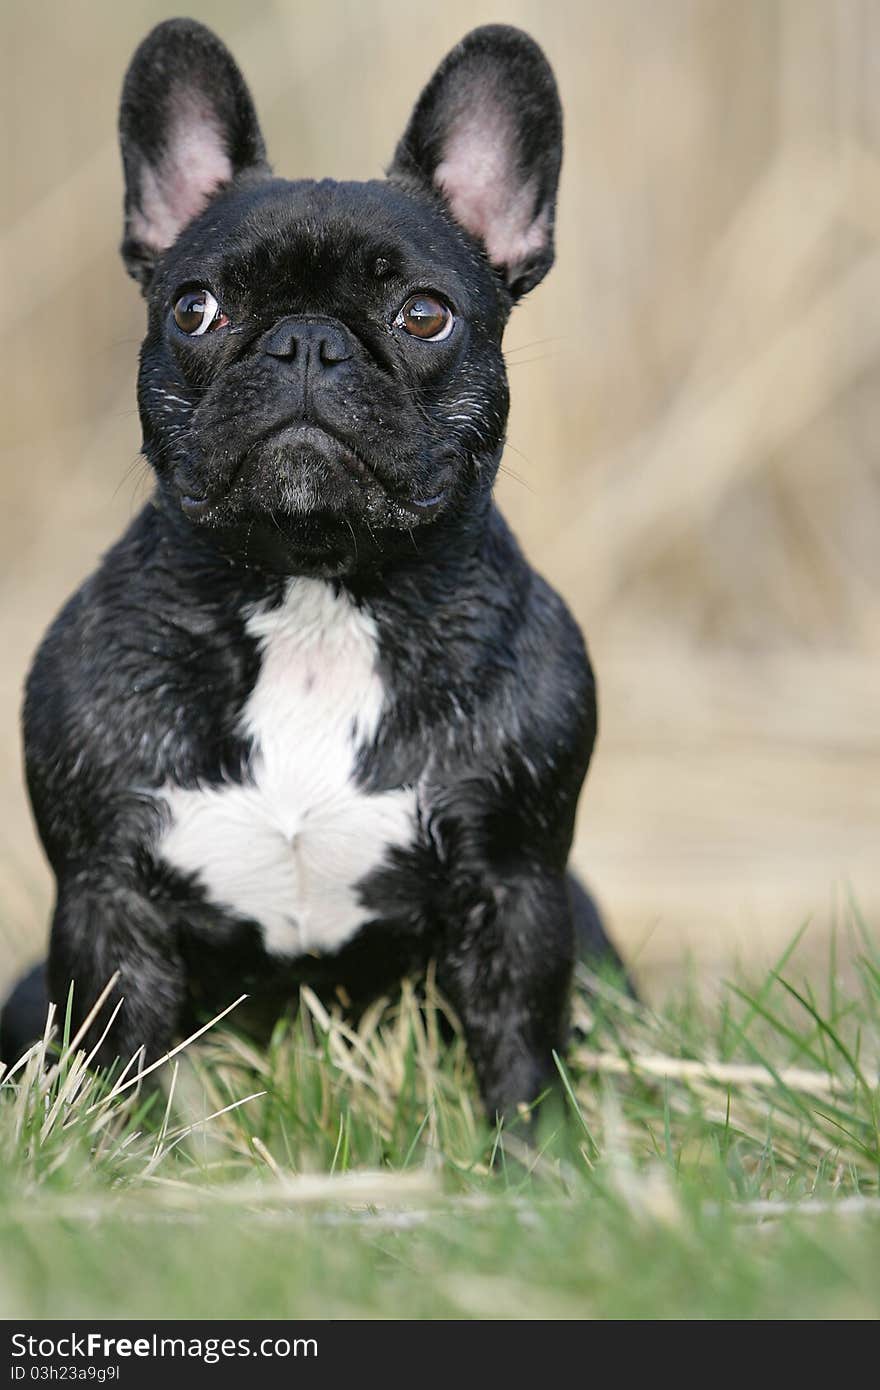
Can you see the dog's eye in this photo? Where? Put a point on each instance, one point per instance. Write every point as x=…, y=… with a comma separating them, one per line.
x=425, y=317
x=197, y=311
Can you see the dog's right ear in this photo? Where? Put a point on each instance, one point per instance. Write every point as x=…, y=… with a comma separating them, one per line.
x=187, y=127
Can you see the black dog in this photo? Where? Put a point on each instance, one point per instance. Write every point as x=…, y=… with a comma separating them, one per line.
x=314, y=719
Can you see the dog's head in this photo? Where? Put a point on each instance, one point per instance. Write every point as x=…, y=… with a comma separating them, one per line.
x=322, y=384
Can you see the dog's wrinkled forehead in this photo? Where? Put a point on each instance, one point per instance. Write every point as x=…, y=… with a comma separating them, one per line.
x=300, y=245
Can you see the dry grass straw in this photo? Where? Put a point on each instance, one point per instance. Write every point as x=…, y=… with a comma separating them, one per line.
x=383, y=1115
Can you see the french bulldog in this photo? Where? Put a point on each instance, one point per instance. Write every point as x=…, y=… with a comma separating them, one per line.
x=314, y=719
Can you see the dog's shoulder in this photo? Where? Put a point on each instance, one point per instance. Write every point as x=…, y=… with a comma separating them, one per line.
x=153, y=640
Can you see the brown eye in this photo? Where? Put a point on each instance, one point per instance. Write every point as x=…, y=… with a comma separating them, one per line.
x=425, y=317
x=197, y=311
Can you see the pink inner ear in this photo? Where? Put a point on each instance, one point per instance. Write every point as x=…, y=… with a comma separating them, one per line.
x=484, y=190
x=193, y=165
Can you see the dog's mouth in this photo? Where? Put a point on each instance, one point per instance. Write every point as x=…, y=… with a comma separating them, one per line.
x=298, y=437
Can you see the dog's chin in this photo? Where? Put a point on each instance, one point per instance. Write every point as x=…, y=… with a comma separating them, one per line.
x=303, y=503
x=321, y=551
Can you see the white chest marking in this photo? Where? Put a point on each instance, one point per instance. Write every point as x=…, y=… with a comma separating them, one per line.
x=289, y=848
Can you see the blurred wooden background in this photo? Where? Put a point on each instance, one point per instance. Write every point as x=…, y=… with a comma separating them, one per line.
x=693, y=450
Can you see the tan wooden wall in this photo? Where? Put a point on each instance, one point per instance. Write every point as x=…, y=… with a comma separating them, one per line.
x=695, y=436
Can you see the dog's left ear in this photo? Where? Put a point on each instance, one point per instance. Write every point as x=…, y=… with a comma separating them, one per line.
x=486, y=134
x=187, y=128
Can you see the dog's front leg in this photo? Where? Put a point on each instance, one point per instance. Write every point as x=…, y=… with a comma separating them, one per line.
x=506, y=969
x=101, y=928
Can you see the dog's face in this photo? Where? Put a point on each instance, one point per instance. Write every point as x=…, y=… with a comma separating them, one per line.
x=322, y=385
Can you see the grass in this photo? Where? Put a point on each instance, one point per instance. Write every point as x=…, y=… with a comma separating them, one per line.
x=718, y=1159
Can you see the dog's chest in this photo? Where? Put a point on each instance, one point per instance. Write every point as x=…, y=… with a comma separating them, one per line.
x=289, y=847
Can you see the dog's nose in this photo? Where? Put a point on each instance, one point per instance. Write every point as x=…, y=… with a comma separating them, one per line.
x=309, y=341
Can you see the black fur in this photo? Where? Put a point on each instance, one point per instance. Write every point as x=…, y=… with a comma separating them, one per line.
x=312, y=436
x=24, y=1014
